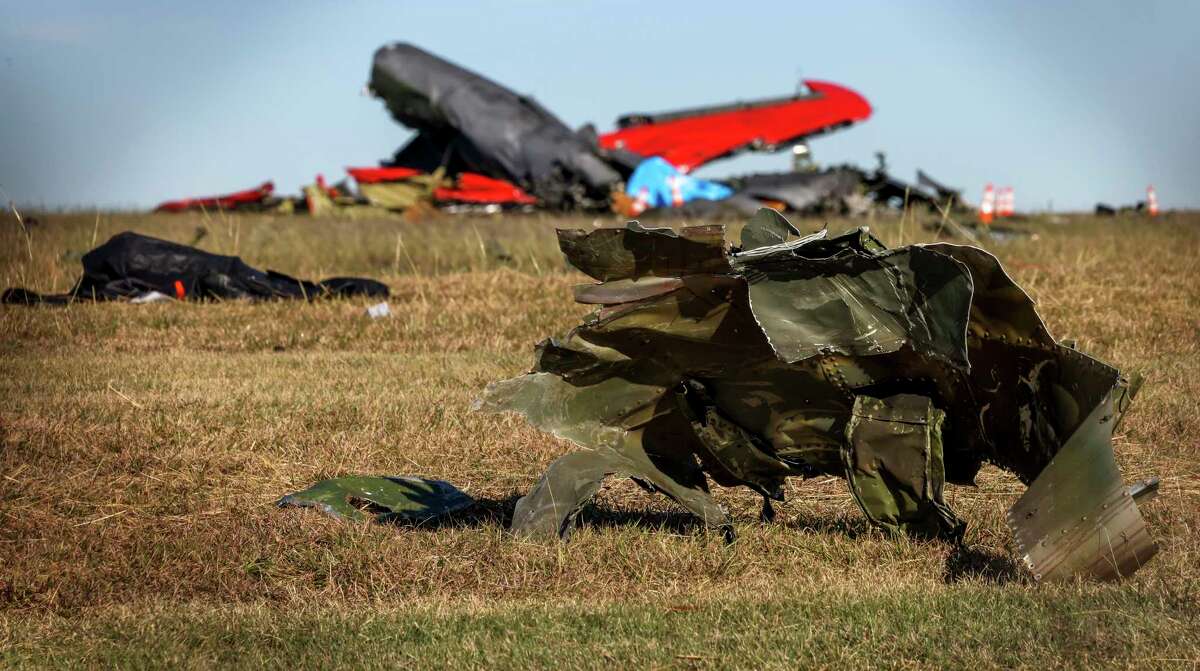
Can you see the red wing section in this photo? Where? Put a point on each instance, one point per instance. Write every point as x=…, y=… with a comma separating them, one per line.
x=691, y=138
x=468, y=187
x=475, y=188
x=229, y=201
x=377, y=175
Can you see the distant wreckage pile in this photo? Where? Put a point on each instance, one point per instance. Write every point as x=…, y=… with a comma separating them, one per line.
x=480, y=146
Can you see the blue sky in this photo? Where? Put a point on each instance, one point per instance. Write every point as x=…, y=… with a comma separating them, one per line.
x=126, y=103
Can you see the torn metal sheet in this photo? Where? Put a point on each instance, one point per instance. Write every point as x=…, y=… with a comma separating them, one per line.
x=1078, y=517
x=634, y=252
x=807, y=192
x=901, y=370
x=845, y=190
x=399, y=498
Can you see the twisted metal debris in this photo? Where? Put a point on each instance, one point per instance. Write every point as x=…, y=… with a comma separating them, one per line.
x=797, y=356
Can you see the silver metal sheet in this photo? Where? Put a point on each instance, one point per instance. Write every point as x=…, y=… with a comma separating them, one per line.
x=1078, y=517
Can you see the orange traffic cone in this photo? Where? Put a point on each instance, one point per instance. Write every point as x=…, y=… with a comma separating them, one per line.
x=988, y=205
x=1152, y=201
x=1006, y=203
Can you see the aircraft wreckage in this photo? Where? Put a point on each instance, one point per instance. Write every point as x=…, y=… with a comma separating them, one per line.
x=900, y=370
x=478, y=143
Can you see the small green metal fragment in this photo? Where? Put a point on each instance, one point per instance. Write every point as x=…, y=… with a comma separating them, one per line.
x=401, y=498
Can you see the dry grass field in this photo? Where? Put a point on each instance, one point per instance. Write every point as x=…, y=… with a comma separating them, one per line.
x=142, y=448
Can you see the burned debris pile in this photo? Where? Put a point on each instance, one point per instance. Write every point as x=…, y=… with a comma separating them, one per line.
x=142, y=269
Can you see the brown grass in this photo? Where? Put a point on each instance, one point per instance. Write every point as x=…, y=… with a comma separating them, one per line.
x=141, y=447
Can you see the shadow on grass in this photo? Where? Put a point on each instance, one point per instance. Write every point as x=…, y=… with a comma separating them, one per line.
x=483, y=513
x=962, y=564
x=499, y=512
x=678, y=522
x=839, y=525
x=969, y=563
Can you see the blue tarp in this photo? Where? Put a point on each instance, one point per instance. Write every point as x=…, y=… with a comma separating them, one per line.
x=655, y=175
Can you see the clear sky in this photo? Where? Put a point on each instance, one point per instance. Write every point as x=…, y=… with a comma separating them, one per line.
x=125, y=103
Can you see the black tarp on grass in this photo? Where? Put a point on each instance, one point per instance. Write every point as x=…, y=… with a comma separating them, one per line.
x=130, y=266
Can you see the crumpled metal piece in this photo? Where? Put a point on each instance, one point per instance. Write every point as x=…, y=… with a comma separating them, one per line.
x=473, y=124
x=895, y=468
x=786, y=355
x=1078, y=517
x=386, y=499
